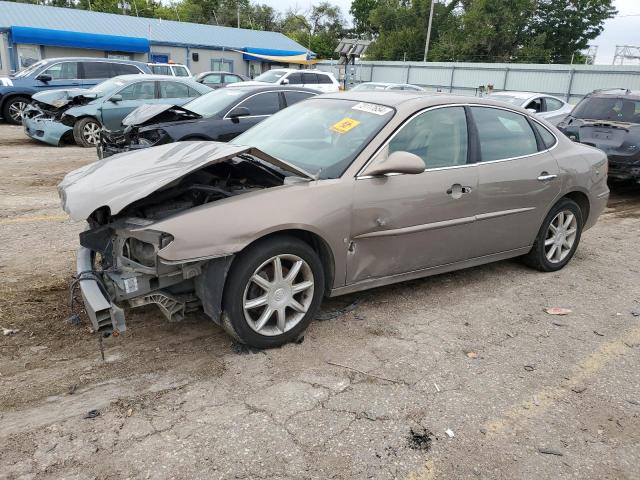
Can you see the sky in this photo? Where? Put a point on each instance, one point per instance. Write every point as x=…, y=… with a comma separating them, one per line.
x=622, y=30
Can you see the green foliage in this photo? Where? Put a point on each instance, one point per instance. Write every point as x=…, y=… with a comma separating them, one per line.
x=544, y=31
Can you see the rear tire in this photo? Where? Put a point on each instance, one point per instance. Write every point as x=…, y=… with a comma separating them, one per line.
x=86, y=132
x=557, y=239
x=273, y=291
x=13, y=108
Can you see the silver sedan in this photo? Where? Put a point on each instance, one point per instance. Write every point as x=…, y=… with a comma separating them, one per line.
x=551, y=108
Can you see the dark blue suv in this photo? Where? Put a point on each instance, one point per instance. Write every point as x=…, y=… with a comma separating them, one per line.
x=52, y=73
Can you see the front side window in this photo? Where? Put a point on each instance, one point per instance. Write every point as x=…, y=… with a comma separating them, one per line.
x=303, y=133
x=552, y=104
x=262, y=104
x=503, y=134
x=173, y=90
x=63, y=71
x=437, y=136
x=138, y=91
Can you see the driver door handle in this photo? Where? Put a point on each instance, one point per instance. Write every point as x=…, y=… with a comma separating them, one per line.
x=456, y=190
x=545, y=177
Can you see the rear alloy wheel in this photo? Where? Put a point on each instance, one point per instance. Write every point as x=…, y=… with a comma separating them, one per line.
x=558, y=237
x=273, y=291
x=86, y=132
x=14, y=109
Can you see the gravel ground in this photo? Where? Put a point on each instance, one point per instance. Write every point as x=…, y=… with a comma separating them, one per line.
x=369, y=394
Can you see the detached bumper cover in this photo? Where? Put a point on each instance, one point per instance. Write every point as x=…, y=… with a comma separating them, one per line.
x=103, y=313
x=46, y=130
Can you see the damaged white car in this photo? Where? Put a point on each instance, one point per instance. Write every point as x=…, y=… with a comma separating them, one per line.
x=332, y=195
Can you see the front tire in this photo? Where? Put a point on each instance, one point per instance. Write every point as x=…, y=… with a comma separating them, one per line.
x=558, y=237
x=273, y=292
x=14, y=108
x=86, y=132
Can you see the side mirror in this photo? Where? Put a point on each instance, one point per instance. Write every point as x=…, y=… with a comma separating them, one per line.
x=531, y=110
x=115, y=98
x=44, y=78
x=285, y=81
x=398, y=162
x=239, y=112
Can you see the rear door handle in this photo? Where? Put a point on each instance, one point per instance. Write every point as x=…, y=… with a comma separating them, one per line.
x=545, y=177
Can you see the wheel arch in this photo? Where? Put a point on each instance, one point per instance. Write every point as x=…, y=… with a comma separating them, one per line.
x=582, y=200
x=9, y=96
x=316, y=242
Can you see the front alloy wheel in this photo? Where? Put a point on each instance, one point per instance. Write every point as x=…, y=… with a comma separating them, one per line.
x=86, y=132
x=273, y=291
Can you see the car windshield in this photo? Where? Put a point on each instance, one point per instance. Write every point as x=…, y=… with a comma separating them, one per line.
x=272, y=76
x=320, y=136
x=27, y=71
x=107, y=86
x=369, y=86
x=215, y=102
x=618, y=109
x=507, y=99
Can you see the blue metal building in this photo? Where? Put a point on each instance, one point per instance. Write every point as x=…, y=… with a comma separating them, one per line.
x=32, y=32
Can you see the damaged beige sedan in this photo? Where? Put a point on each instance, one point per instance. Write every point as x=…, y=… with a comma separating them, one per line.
x=333, y=195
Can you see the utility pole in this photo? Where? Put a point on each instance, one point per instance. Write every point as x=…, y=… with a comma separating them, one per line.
x=426, y=44
x=238, y=13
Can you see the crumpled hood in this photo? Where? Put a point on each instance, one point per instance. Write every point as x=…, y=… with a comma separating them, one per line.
x=122, y=179
x=60, y=98
x=146, y=112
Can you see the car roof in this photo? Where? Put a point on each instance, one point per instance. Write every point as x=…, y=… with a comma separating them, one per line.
x=416, y=99
x=152, y=64
x=147, y=77
x=522, y=95
x=90, y=59
x=260, y=88
x=615, y=92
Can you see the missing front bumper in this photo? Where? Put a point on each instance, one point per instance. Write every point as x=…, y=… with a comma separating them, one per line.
x=102, y=312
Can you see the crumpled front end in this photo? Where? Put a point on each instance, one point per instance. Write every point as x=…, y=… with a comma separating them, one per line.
x=44, y=125
x=132, y=138
x=118, y=267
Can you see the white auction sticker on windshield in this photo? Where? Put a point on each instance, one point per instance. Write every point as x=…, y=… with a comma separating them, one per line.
x=372, y=108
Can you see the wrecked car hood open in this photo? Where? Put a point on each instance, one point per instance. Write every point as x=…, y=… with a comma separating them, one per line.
x=124, y=178
x=60, y=98
x=144, y=113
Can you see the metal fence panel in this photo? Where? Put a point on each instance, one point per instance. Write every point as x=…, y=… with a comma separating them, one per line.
x=571, y=82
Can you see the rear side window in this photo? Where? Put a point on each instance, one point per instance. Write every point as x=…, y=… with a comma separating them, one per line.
x=160, y=69
x=294, y=97
x=97, y=70
x=324, y=78
x=437, y=136
x=124, y=69
x=547, y=137
x=552, y=104
x=263, y=103
x=309, y=78
x=503, y=134
x=63, y=71
x=213, y=79
x=139, y=91
x=173, y=90
x=295, y=79
x=232, y=78
x=180, y=71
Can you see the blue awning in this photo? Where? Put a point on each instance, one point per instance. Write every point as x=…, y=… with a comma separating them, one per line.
x=92, y=41
x=270, y=52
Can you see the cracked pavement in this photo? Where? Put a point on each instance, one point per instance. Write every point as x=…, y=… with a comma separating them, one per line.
x=176, y=401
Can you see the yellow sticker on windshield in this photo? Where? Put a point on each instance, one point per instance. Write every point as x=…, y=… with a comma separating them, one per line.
x=344, y=125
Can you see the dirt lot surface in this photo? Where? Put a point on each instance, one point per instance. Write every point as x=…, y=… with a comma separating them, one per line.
x=370, y=393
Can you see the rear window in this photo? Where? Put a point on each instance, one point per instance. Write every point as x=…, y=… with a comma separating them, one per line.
x=617, y=109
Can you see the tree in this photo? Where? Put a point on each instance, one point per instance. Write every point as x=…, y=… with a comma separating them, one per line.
x=360, y=11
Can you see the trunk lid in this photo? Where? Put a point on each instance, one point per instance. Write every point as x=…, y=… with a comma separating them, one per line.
x=120, y=180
